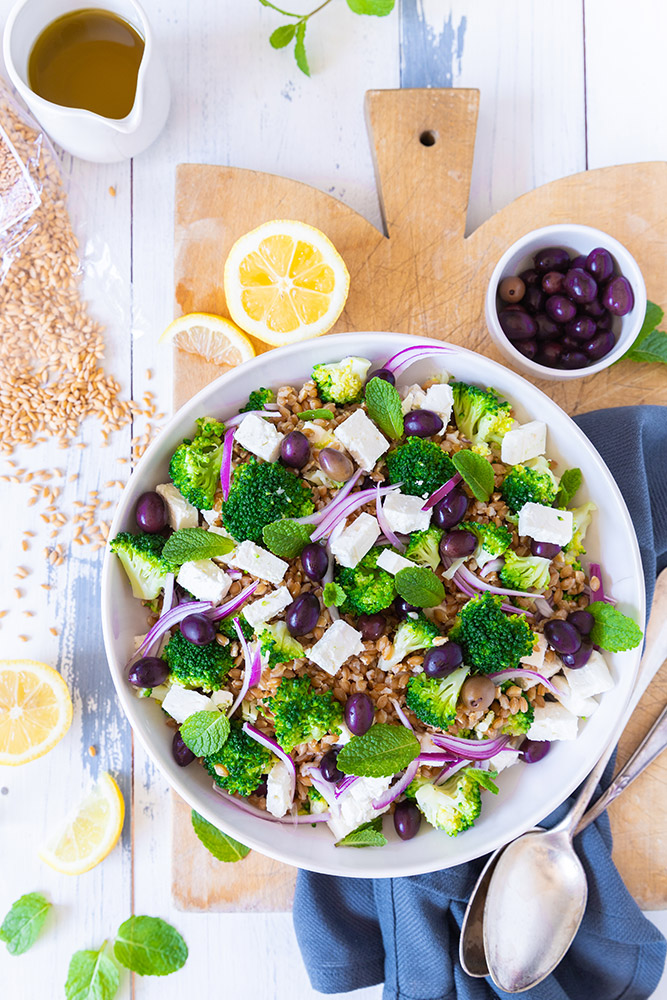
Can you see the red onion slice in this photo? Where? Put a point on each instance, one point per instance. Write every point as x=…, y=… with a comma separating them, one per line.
x=384, y=524
x=328, y=578
x=167, y=621
x=471, y=749
x=594, y=571
x=466, y=589
x=343, y=785
x=449, y=770
x=403, y=359
x=397, y=788
x=240, y=417
x=227, y=609
x=543, y=606
x=401, y=715
x=442, y=491
x=252, y=810
x=226, y=466
x=323, y=512
x=492, y=566
x=275, y=748
x=477, y=584
x=325, y=788
x=327, y=525
x=504, y=675
x=253, y=668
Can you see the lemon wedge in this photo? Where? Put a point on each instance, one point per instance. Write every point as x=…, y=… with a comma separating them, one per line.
x=90, y=832
x=285, y=281
x=35, y=710
x=212, y=338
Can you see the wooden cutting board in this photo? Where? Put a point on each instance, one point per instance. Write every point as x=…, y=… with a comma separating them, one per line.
x=425, y=277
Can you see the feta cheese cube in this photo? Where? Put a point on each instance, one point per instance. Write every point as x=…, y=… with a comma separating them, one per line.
x=345, y=735
x=405, y=514
x=545, y=524
x=180, y=513
x=523, y=442
x=503, y=759
x=180, y=703
x=352, y=544
x=592, y=678
x=260, y=437
x=267, y=607
x=204, y=580
x=338, y=644
x=572, y=701
x=553, y=722
x=440, y=399
x=536, y=658
x=392, y=562
x=359, y=435
x=222, y=699
x=355, y=806
x=551, y=664
x=279, y=790
x=413, y=399
x=212, y=517
x=253, y=559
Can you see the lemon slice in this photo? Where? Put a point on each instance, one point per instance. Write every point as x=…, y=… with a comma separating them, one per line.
x=90, y=832
x=213, y=338
x=285, y=281
x=35, y=710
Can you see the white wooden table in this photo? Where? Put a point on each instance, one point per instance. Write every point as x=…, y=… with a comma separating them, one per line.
x=564, y=87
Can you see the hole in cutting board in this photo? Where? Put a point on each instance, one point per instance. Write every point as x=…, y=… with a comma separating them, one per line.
x=428, y=138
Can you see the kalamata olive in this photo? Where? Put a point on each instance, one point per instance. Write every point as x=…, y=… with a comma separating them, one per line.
x=563, y=636
x=422, y=423
x=534, y=750
x=262, y=788
x=595, y=309
x=456, y=544
x=371, y=626
x=579, y=261
x=517, y=324
x=582, y=328
x=441, y=660
x=407, y=819
x=530, y=277
x=560, y=309
x=617, y=296
x=314, y=561
x=582, y=620
x=151, y=512
x=533, y=300
x=599, y=263
x=198, y=629
x=570, y=359
x=148, y=672
x=550, y=353
x=181, y=753
x=328, y=766
x=402, y=608
x=526, y=347
x=511, y=289
x=295, y=449
x=569, y=343
x=302, y=614
x=579, y=285
x=579, y=659
x=547, y=329
x=551, y=259
x=335, y=464
x=359, y=712
x=552, y=282
x=449, y=511
x=547, y=550
x=604, y=322
x=384, y=374
x=600, y=345
x=478, y=692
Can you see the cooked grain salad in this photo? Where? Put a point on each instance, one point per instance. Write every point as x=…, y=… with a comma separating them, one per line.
x=368, y=596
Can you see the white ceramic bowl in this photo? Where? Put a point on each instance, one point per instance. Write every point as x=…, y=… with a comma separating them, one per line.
x=578, y=240
x=527, y=792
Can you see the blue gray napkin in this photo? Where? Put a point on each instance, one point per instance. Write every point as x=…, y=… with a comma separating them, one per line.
x=404, y=932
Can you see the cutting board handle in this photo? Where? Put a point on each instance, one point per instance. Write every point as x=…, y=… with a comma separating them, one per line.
x=423, y=195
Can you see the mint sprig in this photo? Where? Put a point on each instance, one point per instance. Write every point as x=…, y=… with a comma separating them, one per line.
x=286, y=538
x=570, y=482
x=476, y=471
x=92, y=976
x=189, y=544
x=205, y=732
x=613, y=630
x=316, y=415
x=150, y=946
x=219, y=844
x=383, y=750
x=384, y=407
x=22, y=925
x=419, y=586
x=367, y=835
x=651, y=343
x=333, y=595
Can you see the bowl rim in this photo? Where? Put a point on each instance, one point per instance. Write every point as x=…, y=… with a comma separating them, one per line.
x=188, y=790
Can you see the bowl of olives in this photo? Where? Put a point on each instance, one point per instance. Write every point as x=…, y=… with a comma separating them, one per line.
x=565, y=301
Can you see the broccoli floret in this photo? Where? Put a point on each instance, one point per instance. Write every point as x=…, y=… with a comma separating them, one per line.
x=194, y=666
x=316, y=802
x=195, y=465
x=420, y=466
x=492, y=540
x=226, y=626
x=519, y=724
x=524, y=484
x=242, y=763
x=491, y=640
x=278, y=646
x=262, y=492
x=341, y=382
x=368, y=589
x=523, y=572
x=455, y=805
x=141, y=558
x=581, y=519
x=480, y=415
x=301, y=715
x=433, y=699
x=411, y=635
x=423, y=547
x=257, y=399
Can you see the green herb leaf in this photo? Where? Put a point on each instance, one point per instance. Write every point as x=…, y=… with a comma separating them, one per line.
x=477, y=473
x=221, y=845
x=384, y=407
x=205, y=732
x=419, y=586
x=333, y=595
x=188, y=544
x=316, y=415
x=91, y=976
x=286, y=538
x=300, y=48
x=367, y=835
x=282, y=36
x=613, y=630
x=378, y=7
x=484, y=778
x=570, y=482
x=150, y=946
x=653, y=349
x=23, y=923
x=653, y=317
x=383, y=750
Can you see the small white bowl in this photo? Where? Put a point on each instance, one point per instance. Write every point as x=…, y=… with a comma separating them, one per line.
x=577, y=240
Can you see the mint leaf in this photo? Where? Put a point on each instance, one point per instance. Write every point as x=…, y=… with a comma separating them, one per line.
x=150, y=946
x=651, y=343
x=221, y=845
x=383, y=750
x=205, y=732
x=378, y=7
x=286, y=538
x=570, y=482
x=282, y=36
x=419, y=586
x=483, y=778
x=316, y=415
x=367, y=835
x=22, y=925
x=188, y=544
x=333, y=595
x=613, y=630
x=476, y=471
x=300, y=48
x=91, y=976
x=384, y=407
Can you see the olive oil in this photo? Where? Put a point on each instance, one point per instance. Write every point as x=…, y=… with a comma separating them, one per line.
x=87, y=59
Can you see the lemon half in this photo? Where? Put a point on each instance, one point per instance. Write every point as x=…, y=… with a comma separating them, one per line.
x=90, y=832
x=35, y=710
x=212, y=338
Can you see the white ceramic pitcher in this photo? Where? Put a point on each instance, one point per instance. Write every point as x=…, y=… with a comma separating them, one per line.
x=81, y=132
